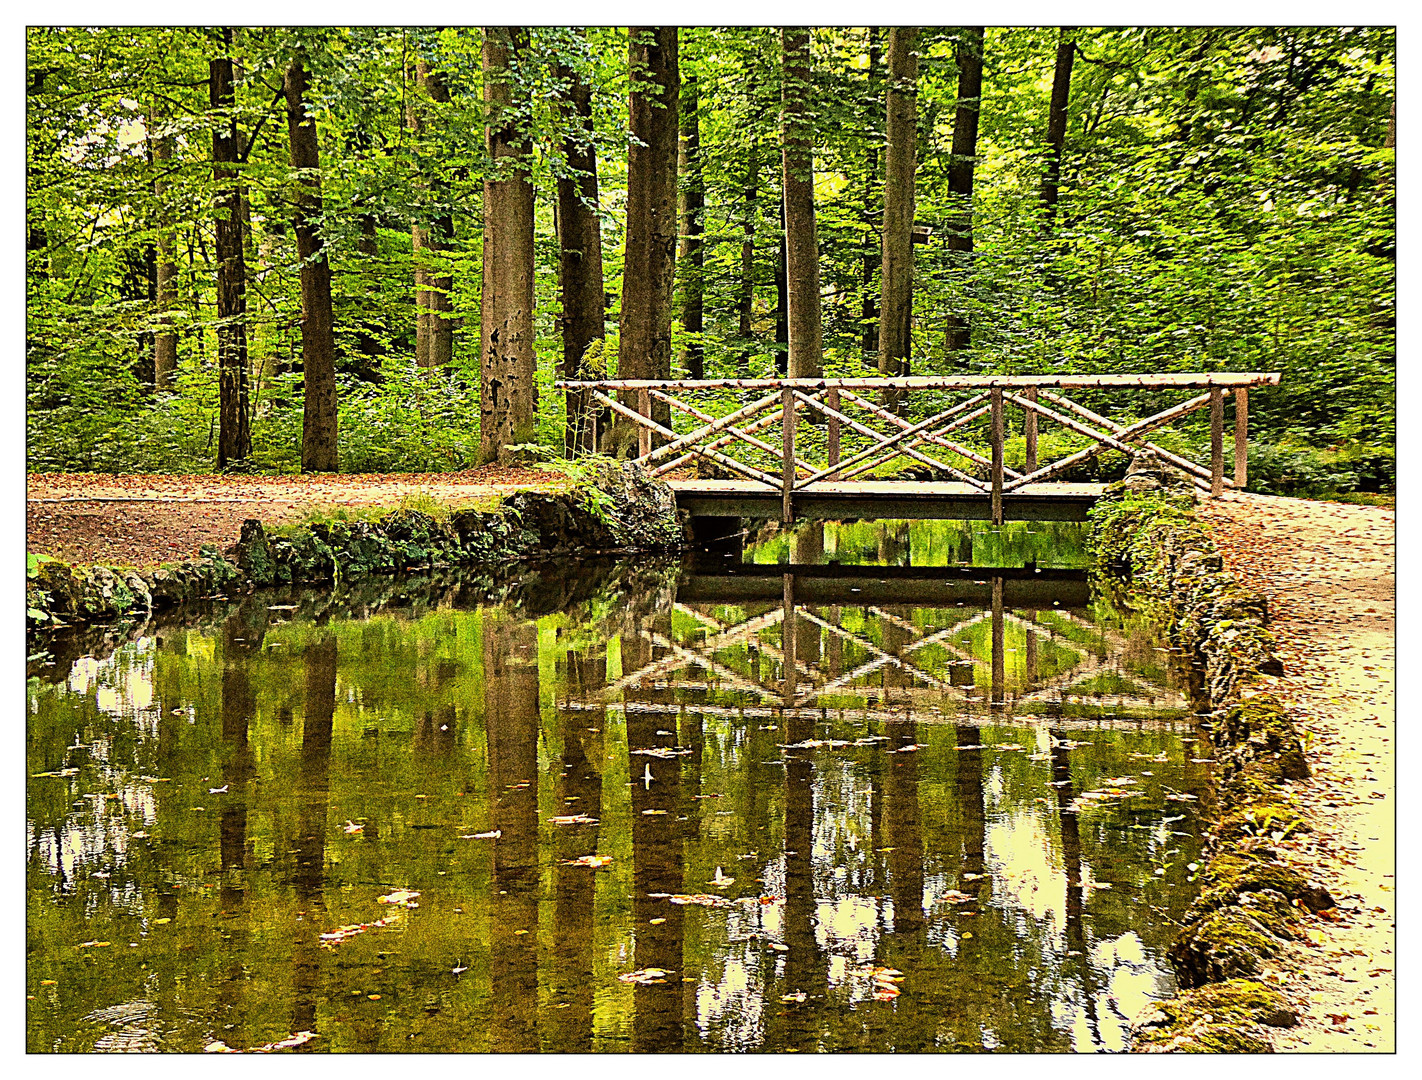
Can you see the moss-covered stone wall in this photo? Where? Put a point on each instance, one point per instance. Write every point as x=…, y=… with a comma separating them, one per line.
x=614, y=507
x=1150, y=548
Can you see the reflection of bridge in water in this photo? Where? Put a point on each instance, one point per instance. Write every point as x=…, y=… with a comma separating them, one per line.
x=912, y=642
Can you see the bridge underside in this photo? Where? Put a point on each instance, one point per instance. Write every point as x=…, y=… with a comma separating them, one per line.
x=892, y=499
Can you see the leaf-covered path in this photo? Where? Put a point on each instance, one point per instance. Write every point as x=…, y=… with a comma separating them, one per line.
x=145, y=520
x=1329, y=572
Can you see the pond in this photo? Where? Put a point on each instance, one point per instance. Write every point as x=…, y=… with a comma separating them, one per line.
x=860, y=787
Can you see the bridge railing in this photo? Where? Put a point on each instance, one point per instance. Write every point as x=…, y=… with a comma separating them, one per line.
x=833, y=431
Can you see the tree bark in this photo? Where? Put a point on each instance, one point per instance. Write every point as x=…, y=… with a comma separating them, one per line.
x=869, y=299
x=165, y=343
x=692, y=253
x=234, y=440
x=745, y=298
x=1057, y=124
x=802, y=256
x=434, y=330
x=506, y=408
x=960, y=171
x=318, y=345
x=580, y=254
x=644, y=346
x=782, y=298
x=896, y=309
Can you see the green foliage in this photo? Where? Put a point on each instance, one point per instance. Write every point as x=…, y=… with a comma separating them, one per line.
x=1227, y=202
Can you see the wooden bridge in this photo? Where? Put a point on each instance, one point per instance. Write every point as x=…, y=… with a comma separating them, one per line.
x=836, y=441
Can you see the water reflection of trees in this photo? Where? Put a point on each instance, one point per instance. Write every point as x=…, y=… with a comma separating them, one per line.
x=854, y=847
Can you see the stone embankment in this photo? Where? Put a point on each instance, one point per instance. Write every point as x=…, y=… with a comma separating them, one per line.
x=1252, y=901
x=618, y=507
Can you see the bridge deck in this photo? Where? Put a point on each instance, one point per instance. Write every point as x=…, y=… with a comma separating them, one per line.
x=886, y=499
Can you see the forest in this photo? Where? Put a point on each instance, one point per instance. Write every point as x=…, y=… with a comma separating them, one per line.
x=375, y=249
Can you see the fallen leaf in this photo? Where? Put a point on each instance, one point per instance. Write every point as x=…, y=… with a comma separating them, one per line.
x=594, y=861
x=574, y=819
x=400, y=897
x=483, y=835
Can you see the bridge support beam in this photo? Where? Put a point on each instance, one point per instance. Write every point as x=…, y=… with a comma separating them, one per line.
x=997, y=435
x=1216, y=443
x=1241, y=438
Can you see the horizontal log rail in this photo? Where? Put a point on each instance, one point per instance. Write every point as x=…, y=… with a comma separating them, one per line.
x=831, y=431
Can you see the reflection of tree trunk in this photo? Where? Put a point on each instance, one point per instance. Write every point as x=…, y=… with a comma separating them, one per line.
x=972, y=814
x=1031, y=651
x=308, y=881
x=435, y=734
x=579, y=792
x=240, y=642
x=511, y=716
x=1071, y=858
x=805, y=968
x=658, y=866
x=903, y=821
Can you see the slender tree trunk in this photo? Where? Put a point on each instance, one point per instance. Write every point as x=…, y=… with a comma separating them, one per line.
x=745, y=298
x=900, y=108
x=782, y=299
x=434, y=330
x=580, y=254
x=367, y=343
x=1057, y=124
x=692, y=253
x=318, y=344
x=165, y=343
x=960, y=172
x=869, y=300
x=644, y=347
x=802, y=264
x=234, y=441
x=507, y=406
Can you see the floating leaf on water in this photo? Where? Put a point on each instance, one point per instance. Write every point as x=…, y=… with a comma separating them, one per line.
x=92, y=945
x=663, y=751
x=778, y=947
x=494, y=835
x=595, y=861
x=700, y=899
x=721, y=880
x=400, y=897
x=955, y=897
x=645, y=977
x=656, y=922
x=352, y=827
x=573, y=819
x=653, y=812
x=796, y=997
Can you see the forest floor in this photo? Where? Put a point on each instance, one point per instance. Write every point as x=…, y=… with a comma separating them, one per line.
x=1329, y=572
x=143, y=521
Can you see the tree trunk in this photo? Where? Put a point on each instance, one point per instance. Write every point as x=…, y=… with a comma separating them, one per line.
x=318, y=346
x=896, y=309
x=960, y=172
x=580, y=254
x=802, y=263
x=506, y=409
x=234, y=440
x=434, y=330
x=1057, y=124
x=782, y=299
x=644, y=347
x=165, y=344
x=869, y=300
x=692, y=253
x=745, y=298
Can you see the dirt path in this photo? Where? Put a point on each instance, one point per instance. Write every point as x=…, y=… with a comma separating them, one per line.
x=142, y=521
x=1329, y=573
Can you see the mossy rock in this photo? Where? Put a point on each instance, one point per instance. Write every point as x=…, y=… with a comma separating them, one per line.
x=1223, y=1018
x=1228, y=876
x=1227, y=944
x=1258, y=729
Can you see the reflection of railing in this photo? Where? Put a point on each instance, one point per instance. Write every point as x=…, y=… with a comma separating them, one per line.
x=802, y=683
x=853, y=446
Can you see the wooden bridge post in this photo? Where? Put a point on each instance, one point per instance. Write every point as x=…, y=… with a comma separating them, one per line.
x=832, y=432
x=1216, y=443
x=787, y=463
x=644, y=435
x=997, y=430
x=1241, y=437
x=1029, y=432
